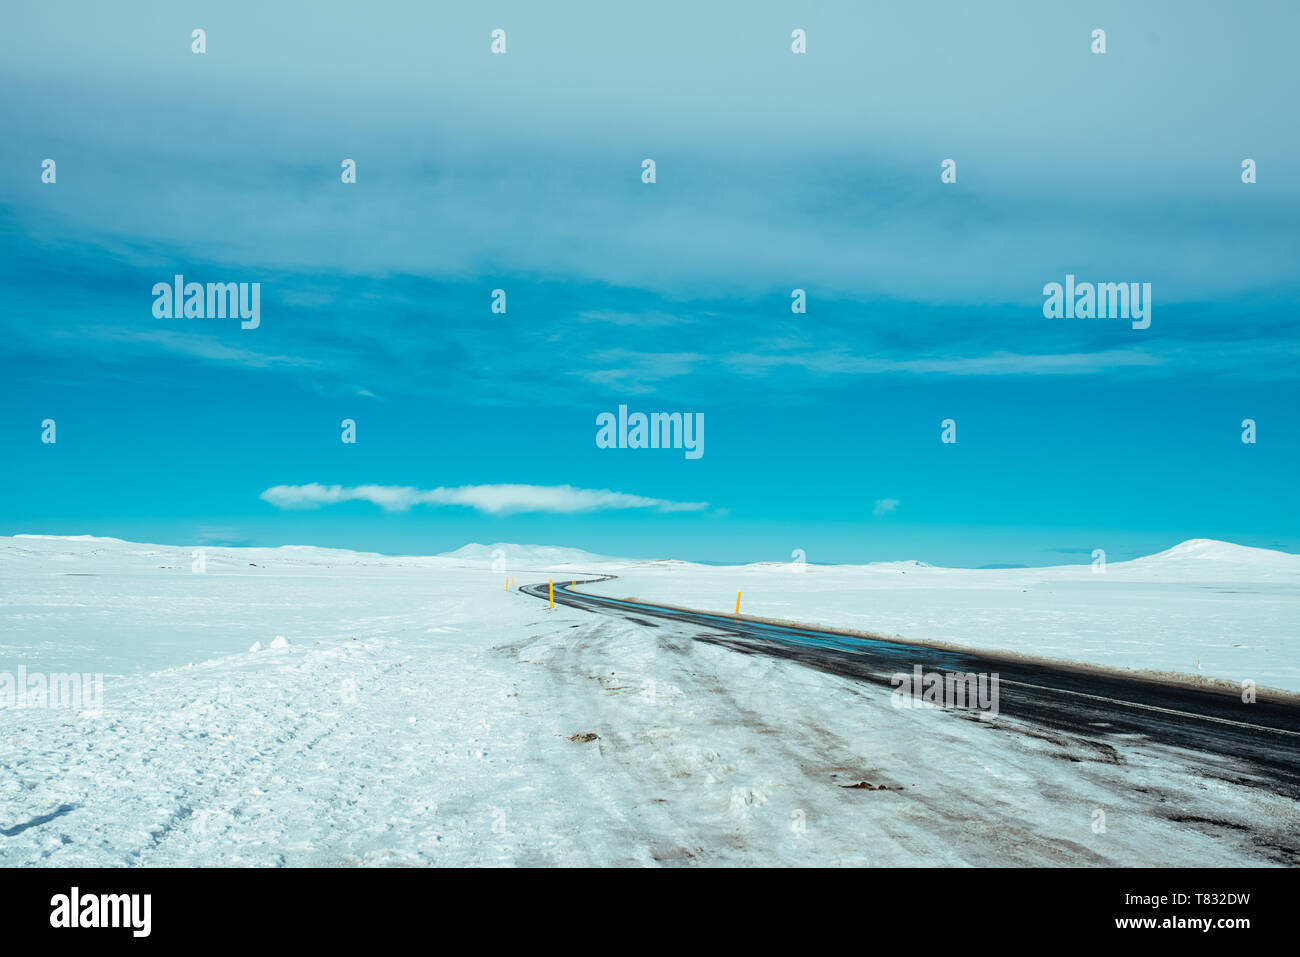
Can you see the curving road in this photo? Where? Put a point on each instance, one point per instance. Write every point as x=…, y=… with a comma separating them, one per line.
x=1256, y=744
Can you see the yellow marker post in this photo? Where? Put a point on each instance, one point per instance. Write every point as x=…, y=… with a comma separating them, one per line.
x=737, y=603
x=551, y=586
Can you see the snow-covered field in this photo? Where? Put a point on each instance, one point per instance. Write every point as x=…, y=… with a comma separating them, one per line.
x=417, y=712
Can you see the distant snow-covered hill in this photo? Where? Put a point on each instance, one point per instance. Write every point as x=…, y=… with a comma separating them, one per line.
x=1207, y=549
x=1199, y=559
x=515, y=556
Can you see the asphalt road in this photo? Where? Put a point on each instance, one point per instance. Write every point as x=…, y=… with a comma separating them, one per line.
x=1255, y=744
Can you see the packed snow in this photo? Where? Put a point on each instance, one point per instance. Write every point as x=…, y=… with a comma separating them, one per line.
x=412, y=710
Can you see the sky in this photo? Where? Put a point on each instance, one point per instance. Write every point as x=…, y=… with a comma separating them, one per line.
x=775, y=171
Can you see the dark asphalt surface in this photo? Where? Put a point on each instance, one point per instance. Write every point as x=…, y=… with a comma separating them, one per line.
x=1255, y=744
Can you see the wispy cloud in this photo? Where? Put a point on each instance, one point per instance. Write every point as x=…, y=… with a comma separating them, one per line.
x=884, y=506
x=493, y=499
x=994, y=364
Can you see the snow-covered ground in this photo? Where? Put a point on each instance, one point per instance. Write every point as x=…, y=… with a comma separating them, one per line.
x=417, y=712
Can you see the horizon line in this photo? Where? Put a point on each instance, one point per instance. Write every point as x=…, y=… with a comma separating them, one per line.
x=630, y=558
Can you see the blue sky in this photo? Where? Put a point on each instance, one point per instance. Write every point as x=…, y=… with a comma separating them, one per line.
x=775, y=171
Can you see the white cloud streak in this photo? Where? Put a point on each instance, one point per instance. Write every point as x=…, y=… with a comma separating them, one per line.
x=492, y=499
